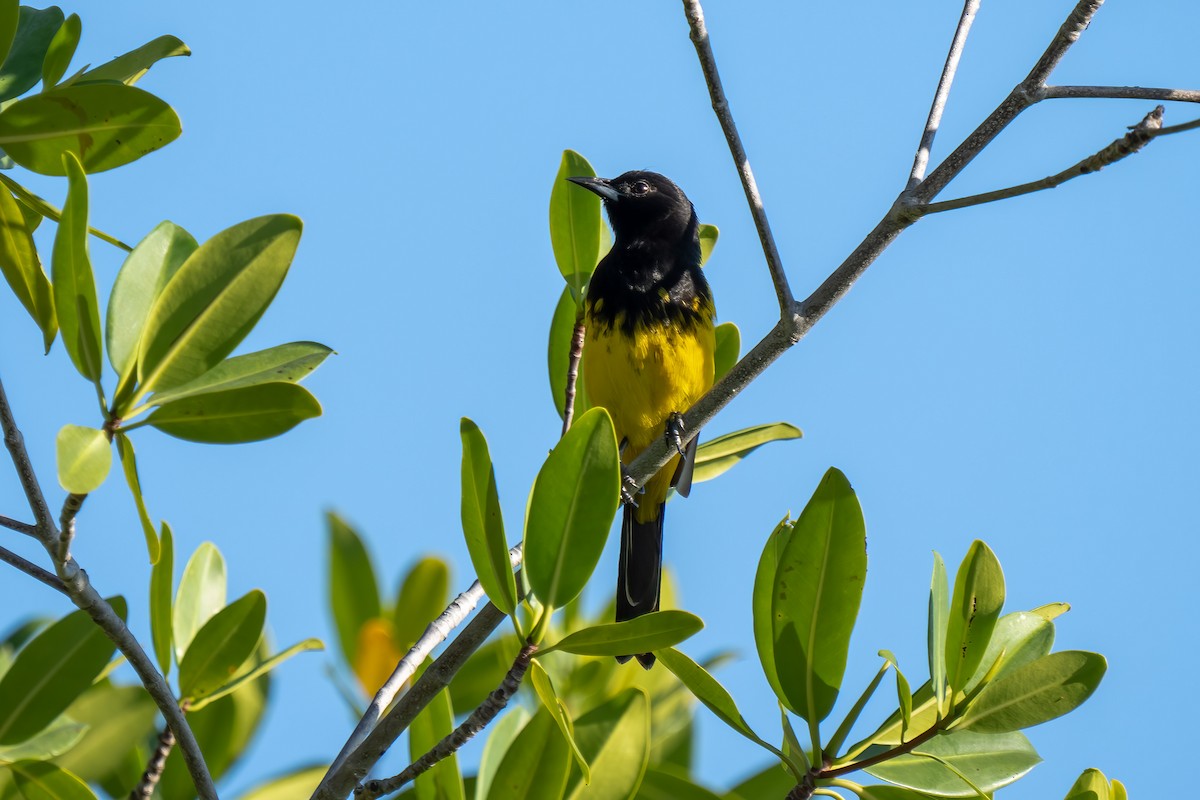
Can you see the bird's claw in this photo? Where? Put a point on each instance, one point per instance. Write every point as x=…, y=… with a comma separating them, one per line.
x=629, y=487
x=675, y=429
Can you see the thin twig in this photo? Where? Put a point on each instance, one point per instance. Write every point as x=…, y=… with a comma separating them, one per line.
x=577, y=337
x=156, y=763
x=32, y=570
x=921, y=161
x=1138, y=137
x=19, y=527
x=451, y=744
x=66, y=525
x=1121, y=93
x=720, y=104
x=1180, y=128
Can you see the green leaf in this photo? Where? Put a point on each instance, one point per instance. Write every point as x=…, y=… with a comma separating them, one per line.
x=892, y=793
x=161, y=577
x=22, y=66
x=71, y=270
x=55, y=739
x=722, y=453
x=84, y=458
x=728, y=348
x=762, y=601
x=653, y=631
x=257, y=671
x=904, y=696
x=500, y=738
x=974, y=609
x=939, y=617
x=535, y=766
x=284, y=363
x=34, y=208
x=103, y=125
x=49, y=672
x=41, y=780
x=1040, y=691
x=297, y=783
x=215, y=299
x=1017, y=639
x=615, y=740
x=817, y=588
x=558, y=355
x=353, y=590
x=1052, y=611
x=423, y=596
x=118, y=719
x=544, y=688
x=9, y=18
x=141, y=279
x=236, y=416
x=201, y=594
x=61, y=51
x=709, y=692
x=483, y=671
x=23, y=270
x=575, y=223
x=129, y=467
x=483, y=526
x=571, y=508
x=443, y=781
x=990, y=762
x=131, y=66
x=660, y=783
x=222, y=645
x=1091, y=785
x=708, y=240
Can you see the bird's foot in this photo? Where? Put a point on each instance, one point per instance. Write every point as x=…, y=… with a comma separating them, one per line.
x=675, y=429
x=629, y=488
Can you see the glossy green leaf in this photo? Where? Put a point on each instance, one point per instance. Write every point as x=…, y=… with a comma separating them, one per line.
x=61, y=51
x=988, y=761
x=708, y=240
x=22, y=66
x=483, y=671
x=353, y=590
x=763, y=601
x=297, y=783
x=939, y=616
x=974, y=609
x=285, y=363
x=1017, y=639
x=728, y=349
x=817, y=589
x=222, y=645
x=443, y=781
x=102, y=125
x=1117, y=790
x=893, y=793
x=71, y=270
x=575, y=223
x=544, y=688
x=129, y=467
x=118, y=720
x=558, y=355
x=424, y=594
x=22, y=268
x=1090, y=785
x=41, y=780
x=1040, y=691
x=35, y=207
x=161, y=577
x=1052, y=611
x=661, y=783
x=535, y=766
x=710, y=692
x=55, y=739
x=9, y=18
x=571, y=508
x=131, y=66
x=215, y=299
x=141, y=279
x=236, y=416
x=201, y=594
x=84, y=458
x=722, y=453
x=483, y=526
x=904, y=697
x=500, y=737
x=771, y=782
x=615, y=740
x=644, y=634
x=49, y=672
x=260, y=669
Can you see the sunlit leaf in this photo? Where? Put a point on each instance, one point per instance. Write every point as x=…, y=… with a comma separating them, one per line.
x=129, y=467
x=722, y=453
x=535, y=766
x=55, y=739
x=939, y=615
x=544, y=688
x=904, y=695
x=728, y=349
x=1090, y=785
x=708, y=240
x=483, y=525
x=423, y=596
x=22, y=268
x=988, y=761
x=649, y=632
x=500, y=737
x=248, y=414
x=297, y=783
x=353, y=589
x=84, y=458
x=119, y=719
x=201, y=594
x=285, y=363
x=662, y=784
x=131, y=66
x=41, y=780
x=974, y=608
x=615, y=740
x=257, y=671
x=222, y=645
x=71, y=271
x=709, y=692
x=22, y=66
x=558, y=355
x=61, y=51
x=1017, y=639
x=575, y=223
x=376, y=655
x=162, y=576
x=1040, y=691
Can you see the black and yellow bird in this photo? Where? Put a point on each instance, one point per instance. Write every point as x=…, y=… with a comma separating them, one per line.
x=648, y=356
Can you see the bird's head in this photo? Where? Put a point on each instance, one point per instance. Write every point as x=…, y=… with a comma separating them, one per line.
x=643, y=205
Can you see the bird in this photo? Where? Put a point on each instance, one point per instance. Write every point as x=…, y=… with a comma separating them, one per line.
x=647, y=357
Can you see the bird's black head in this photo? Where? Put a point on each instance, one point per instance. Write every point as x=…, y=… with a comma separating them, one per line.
x=644, y=206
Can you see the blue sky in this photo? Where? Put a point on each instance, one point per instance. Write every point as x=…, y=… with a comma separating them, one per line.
x=1022, y=372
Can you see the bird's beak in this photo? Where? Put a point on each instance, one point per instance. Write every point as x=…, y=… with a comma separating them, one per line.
x=601, y=186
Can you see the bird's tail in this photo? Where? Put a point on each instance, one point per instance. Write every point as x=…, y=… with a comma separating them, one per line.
x=639, y=574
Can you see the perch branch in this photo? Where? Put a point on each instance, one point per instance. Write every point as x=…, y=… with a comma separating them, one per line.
x=1121, y=93
x=575, y=355
x=31, y=569
x=19, y=527
x=155, y=765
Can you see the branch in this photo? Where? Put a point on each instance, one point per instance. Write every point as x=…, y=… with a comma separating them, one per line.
x=31, y=569
x=708, y=63
x=1121, y=93
x=19, y=527
x=479, y=719
x=1138, y=137
x=577, y=336
x=66, y=525
x=154, y=767
x=921, y=161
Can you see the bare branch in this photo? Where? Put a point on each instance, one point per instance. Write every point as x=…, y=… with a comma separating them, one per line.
x=154, y=766
x=921, y=162
x=66, y=525
x=577, y=336
x=451, y=744
x=31, y=569
x=19, y=527
x=1068, y=34
x=1138, y=137
x=708, y=63
x=1180, y=128
x=1121, y=93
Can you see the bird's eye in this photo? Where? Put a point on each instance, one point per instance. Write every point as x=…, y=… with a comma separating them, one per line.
x=640, y=187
